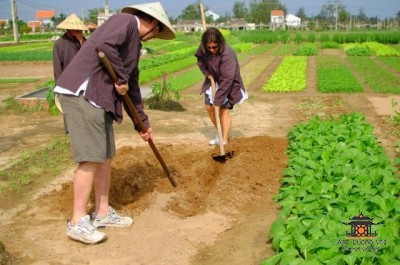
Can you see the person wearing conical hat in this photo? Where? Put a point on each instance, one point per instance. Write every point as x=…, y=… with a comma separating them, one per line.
x=68, y=45
x=91, y=101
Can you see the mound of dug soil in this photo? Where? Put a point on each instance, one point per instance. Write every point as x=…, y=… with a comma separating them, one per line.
x=171, y=224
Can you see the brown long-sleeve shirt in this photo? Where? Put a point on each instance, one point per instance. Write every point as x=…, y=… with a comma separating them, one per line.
x=64, y=51
x=225, y=69
x=119, y=39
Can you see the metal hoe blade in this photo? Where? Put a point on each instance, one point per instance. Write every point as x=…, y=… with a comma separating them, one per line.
x=223, y=158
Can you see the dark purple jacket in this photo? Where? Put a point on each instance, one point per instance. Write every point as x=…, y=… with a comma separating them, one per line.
x=225, y=69
x=119, y=39
x=64, y=50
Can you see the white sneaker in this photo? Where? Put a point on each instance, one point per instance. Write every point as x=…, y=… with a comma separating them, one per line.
x=112, y=219
x=84, y=231
x=214, y=141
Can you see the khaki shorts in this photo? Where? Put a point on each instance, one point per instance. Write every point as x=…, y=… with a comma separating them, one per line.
x=90, y=129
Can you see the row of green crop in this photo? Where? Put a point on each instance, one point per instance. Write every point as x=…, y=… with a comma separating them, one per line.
x=289, y=76
x=260, y=36
x=333, y=75
x=336, y=170
x=378, y=78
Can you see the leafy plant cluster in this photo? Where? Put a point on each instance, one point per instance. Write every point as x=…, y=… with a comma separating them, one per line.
x=308, y=49
x=358, y=51
x=336, y=170
x=369, y=48
x=329, y=45
x=289, y=76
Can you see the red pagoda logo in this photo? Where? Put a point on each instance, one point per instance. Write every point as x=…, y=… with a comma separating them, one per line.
x=361, y=227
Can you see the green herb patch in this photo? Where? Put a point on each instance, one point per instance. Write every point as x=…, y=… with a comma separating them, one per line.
x=333, y=76
x=393, y=62
x=308, y=49
x=379, y=79
x=336, y=170
x=329, y=45
x=289, y=76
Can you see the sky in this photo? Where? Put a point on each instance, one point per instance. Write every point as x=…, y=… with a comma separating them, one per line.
x=27, y=8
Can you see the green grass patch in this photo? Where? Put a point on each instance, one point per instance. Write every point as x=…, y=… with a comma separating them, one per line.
x=17, y=80
x=285, y=49
x=35, y=168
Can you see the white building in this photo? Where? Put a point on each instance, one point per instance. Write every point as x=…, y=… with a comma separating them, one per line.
x=211, y=14
x=292, y=21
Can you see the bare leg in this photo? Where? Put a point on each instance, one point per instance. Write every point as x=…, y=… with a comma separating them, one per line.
x=211, y=113
x=83, y=182
x=226, y=123
x=102, y=187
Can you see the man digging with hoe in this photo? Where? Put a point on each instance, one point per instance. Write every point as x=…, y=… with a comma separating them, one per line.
x=91, y=101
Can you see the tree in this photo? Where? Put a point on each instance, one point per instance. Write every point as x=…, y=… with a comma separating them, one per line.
x=191, y=12
x=301, y=14
x=260, y=12
x=93, y=13
x=361, y=15
x=398, y=16
x=239, y=10
x=58, y=19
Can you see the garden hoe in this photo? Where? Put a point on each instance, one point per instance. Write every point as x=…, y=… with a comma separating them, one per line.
x=134, y=112
x=222, y=156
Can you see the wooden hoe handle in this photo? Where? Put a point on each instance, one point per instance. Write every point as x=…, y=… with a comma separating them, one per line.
x=135, y=114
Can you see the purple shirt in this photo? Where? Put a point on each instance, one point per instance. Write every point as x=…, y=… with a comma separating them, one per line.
x=119, y=39
x=225, y=69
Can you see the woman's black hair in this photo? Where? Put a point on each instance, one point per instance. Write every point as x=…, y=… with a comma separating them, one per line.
x=212, y=35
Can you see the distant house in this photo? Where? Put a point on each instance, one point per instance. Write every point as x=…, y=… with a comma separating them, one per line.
x=211, y=14
x=45, y=17
x=293, y=21
x=35, y=25
x=4, y=24
x=189, y=26
x=102, y=17
x=277, y=19
x=236, y=24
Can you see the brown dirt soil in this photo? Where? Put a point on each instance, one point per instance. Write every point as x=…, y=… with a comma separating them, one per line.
x=218, y=214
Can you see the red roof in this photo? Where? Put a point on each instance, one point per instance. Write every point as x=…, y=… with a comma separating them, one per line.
x=43, y=14
x=277, y=13
x=4, y=22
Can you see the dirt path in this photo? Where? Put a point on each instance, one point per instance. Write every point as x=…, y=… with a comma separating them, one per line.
x=219, y=214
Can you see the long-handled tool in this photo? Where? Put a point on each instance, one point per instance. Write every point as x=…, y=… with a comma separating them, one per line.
x=133, y=110
x=222, y=157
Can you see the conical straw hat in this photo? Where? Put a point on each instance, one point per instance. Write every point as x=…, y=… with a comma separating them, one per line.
x=72, y=22
x=157, y=11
